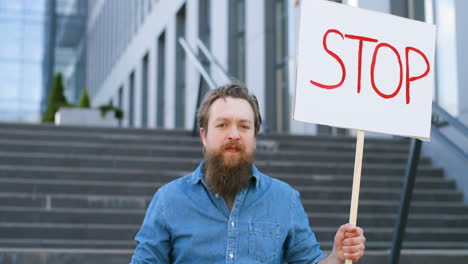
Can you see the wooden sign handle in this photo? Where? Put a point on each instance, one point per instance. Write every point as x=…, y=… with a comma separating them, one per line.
x=356, y=181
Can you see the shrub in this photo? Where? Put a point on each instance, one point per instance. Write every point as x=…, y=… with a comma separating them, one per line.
x=84, y=99
x=57, y=99
x=118, y=113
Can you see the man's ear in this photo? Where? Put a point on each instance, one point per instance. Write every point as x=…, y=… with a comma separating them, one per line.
x=203, y=135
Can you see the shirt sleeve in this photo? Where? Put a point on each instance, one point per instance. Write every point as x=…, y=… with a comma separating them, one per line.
x=301, y=245
x=154, y=240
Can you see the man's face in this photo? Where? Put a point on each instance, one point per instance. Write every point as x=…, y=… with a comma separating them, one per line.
x=230, y=131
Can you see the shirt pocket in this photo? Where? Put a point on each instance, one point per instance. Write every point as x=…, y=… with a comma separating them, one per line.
x=264, y=240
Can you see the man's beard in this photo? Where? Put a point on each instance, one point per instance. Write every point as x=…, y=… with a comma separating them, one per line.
x=227, y=176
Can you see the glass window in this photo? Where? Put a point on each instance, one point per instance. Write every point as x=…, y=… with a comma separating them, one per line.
x=67, y=7
x=10, y=39
x=120, y=102
x=131, y=99
x=446, y=93
x=237, y=39
x=204, y=30
x=11, y=79
x=32, y=34
x=180, y=71
x=161, y=80
x=144, y=91
x=281, y=65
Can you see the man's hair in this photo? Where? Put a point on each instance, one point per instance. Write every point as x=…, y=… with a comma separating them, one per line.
x=229, y=90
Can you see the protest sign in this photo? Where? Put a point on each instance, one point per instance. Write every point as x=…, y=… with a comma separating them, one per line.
x=364, y=70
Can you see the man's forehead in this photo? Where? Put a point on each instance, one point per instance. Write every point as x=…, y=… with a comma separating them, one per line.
x=231, y=108
x=225, y=118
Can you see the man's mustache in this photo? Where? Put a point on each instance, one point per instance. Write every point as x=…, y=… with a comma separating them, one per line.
x=233, y=145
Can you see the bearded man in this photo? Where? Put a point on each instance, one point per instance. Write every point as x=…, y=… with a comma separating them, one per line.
x=227, y=211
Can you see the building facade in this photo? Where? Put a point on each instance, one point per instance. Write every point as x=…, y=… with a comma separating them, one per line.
x=64, y=48
x=134, y=59
x=21, y=24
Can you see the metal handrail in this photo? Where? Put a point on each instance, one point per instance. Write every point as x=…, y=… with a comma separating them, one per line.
x=197, y=63
x=410, y=175
x=449, y=142
x=204, y=73
x=213, y=60
x=448, y=120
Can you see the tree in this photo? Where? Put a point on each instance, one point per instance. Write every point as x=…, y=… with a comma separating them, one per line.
x=57, y=99
x=84, y=99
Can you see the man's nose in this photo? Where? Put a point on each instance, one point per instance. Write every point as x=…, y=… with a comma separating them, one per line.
x=234, y=134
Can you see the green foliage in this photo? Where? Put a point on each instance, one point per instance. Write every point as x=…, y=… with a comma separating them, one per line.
x=118, y=113
x=57, y=99
x=84, y=99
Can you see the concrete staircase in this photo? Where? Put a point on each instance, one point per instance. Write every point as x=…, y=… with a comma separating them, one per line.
x=78, y=195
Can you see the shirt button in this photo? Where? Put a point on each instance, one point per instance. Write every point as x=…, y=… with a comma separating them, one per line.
x=231, y=255
x=232, y=224
x=217, y=195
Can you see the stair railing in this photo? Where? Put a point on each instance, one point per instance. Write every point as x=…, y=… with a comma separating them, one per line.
x=197, y=62
x=213, y=61
x=199, y=65
x=440, y=118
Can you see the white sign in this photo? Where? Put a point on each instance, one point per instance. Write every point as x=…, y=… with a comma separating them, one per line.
x=364, y=70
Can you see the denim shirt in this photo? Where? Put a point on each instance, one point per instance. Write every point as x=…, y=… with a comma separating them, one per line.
x=187, y=223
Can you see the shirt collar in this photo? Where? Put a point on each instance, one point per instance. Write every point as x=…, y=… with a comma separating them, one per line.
x=198, y=175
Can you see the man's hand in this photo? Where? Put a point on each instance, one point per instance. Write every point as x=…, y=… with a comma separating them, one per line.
x=349, y=244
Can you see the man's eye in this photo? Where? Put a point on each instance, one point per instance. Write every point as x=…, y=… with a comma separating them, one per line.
x=246, y=127
x=221, y=125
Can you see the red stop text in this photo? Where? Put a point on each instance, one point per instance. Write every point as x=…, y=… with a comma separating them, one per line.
x=407, y=78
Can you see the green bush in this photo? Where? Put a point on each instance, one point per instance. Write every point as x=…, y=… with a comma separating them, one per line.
x=84, y=99
x=118, y=113
x=57, y=99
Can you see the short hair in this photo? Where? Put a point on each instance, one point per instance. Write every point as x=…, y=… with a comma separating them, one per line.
x=228, y=90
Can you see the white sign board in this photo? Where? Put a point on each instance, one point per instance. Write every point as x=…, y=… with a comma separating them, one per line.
x=364, y=70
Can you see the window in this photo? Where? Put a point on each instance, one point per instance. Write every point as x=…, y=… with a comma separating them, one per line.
x=180, y=71
x=144, y=92
x=204, y=32
x=446, y=91
x=131, y=88
x=281, y=64
x=120, y=102
x=237, y=39
x=276, y=82
x=161, y=81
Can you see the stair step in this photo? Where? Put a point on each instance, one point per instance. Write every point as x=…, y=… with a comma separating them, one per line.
x=294, y=180
x=138, y=188
x=106, y=149
x=381, y=207
x=328, y=144
x=41, y=256
x=151, y=133
x=60, y=172
x=93, y=256
x=19, y=244
x=411, y=234
x=135, y=217
x=139, y=201
x=154, y=163
x=64, y=231
x=128, y=232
